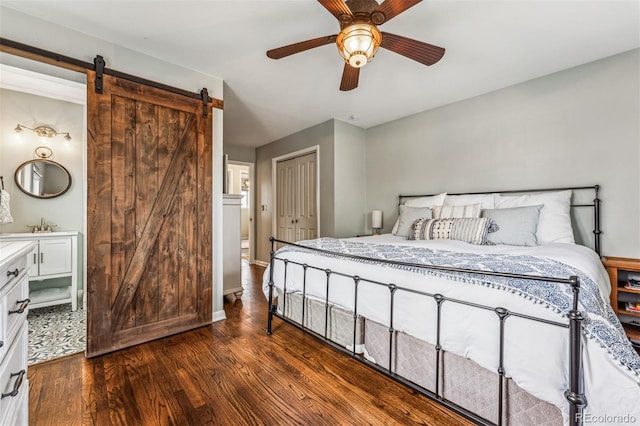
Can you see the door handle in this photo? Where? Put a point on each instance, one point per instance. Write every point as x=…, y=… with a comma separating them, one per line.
x=41, y=257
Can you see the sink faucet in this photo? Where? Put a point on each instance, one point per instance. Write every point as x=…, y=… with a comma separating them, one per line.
x=43, y=227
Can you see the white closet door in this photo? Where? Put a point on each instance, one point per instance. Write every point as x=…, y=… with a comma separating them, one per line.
x=296, y=198
x=285, y=203
x=306, y=216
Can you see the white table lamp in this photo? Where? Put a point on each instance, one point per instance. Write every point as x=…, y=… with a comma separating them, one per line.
x=376, y=221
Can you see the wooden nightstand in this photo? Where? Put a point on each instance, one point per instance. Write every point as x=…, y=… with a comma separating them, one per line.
x=620, y=270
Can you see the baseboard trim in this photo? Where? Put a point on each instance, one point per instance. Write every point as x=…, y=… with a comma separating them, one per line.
x=219, y=316
x=261, y=263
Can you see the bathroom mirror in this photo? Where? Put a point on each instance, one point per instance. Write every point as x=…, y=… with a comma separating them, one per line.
x=43, y=178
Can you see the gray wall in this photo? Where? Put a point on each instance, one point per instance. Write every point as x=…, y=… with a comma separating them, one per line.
x=349, y=177
x=576, y=127
x=20, y=108
x=321, y=135
x=246, y=154
x=49, y=36
x=342, y=180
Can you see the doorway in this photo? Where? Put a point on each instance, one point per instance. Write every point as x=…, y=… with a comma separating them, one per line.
x=35, y=99
x=240, y=181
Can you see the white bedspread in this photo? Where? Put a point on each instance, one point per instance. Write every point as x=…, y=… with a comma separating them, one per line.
x=536, y=354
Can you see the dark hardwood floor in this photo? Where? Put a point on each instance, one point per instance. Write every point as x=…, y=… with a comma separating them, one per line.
x=228, y=373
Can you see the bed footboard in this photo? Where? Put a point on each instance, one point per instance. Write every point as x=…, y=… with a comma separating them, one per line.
x=574, y=394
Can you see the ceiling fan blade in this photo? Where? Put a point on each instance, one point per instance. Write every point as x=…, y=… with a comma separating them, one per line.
x=425, y=53
x=337, y=8
x=392, y=8
x=290, y=49
x=349, y=78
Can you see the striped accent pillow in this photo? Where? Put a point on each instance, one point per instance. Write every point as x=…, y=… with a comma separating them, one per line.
x=448, y=212
x=472, y=230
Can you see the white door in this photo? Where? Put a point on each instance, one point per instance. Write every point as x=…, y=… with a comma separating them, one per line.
x=306, y=219
x=296, y=198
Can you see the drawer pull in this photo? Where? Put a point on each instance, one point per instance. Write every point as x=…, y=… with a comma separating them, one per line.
x=14, y=273
x=24, y=305
x=16, y=385
x=1, y=343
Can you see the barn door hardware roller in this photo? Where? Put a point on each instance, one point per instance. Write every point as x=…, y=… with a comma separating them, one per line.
x=98, y=62
x=205, y=101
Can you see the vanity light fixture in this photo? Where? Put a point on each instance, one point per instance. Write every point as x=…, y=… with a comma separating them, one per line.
x=43, y=131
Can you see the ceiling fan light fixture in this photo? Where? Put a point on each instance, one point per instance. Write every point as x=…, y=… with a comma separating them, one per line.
x=358, y=44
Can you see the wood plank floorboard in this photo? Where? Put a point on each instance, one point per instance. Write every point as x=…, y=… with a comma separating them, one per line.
x=228, y=373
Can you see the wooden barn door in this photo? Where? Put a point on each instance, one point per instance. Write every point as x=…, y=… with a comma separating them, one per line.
x=149, y=253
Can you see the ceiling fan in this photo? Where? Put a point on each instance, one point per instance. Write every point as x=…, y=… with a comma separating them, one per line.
x=359, y=37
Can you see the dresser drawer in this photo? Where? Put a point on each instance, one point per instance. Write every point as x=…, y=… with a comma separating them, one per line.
x=18, y=413
x=10, y=272
x=13, y=377
x=13, y=310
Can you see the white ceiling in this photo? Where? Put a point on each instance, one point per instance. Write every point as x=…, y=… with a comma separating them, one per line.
x=490, y=45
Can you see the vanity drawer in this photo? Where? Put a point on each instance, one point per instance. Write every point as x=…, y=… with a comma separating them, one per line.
x=13, y=378
x=13, y=310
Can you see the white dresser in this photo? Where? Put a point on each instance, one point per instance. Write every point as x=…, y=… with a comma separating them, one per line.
x=14, y=307
x=55, y=255
x=232, y=250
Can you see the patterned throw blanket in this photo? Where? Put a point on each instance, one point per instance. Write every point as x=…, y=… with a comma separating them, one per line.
x=600, y=322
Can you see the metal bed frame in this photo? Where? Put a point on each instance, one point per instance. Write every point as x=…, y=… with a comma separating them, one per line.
x=574, y=395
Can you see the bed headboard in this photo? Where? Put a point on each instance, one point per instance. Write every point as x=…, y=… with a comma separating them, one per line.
x=585, y=210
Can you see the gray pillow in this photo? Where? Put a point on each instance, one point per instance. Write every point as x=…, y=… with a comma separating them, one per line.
x=408, y=215
x=516, y=226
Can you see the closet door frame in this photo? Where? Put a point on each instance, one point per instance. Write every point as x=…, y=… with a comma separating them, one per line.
x=274, y=184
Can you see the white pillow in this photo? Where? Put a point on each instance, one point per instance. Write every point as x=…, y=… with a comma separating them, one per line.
x=408, y=215
x=451, y=212
x=554, y=225
x=486, y=201
x=430, y=201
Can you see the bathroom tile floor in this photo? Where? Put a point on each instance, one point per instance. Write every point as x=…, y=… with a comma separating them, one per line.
x=55, y=331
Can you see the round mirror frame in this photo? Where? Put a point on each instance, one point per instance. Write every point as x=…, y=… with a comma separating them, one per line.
x=42, y=160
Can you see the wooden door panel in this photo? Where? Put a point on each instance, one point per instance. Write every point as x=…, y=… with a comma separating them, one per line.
x=149, y=227
x=146, y=178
